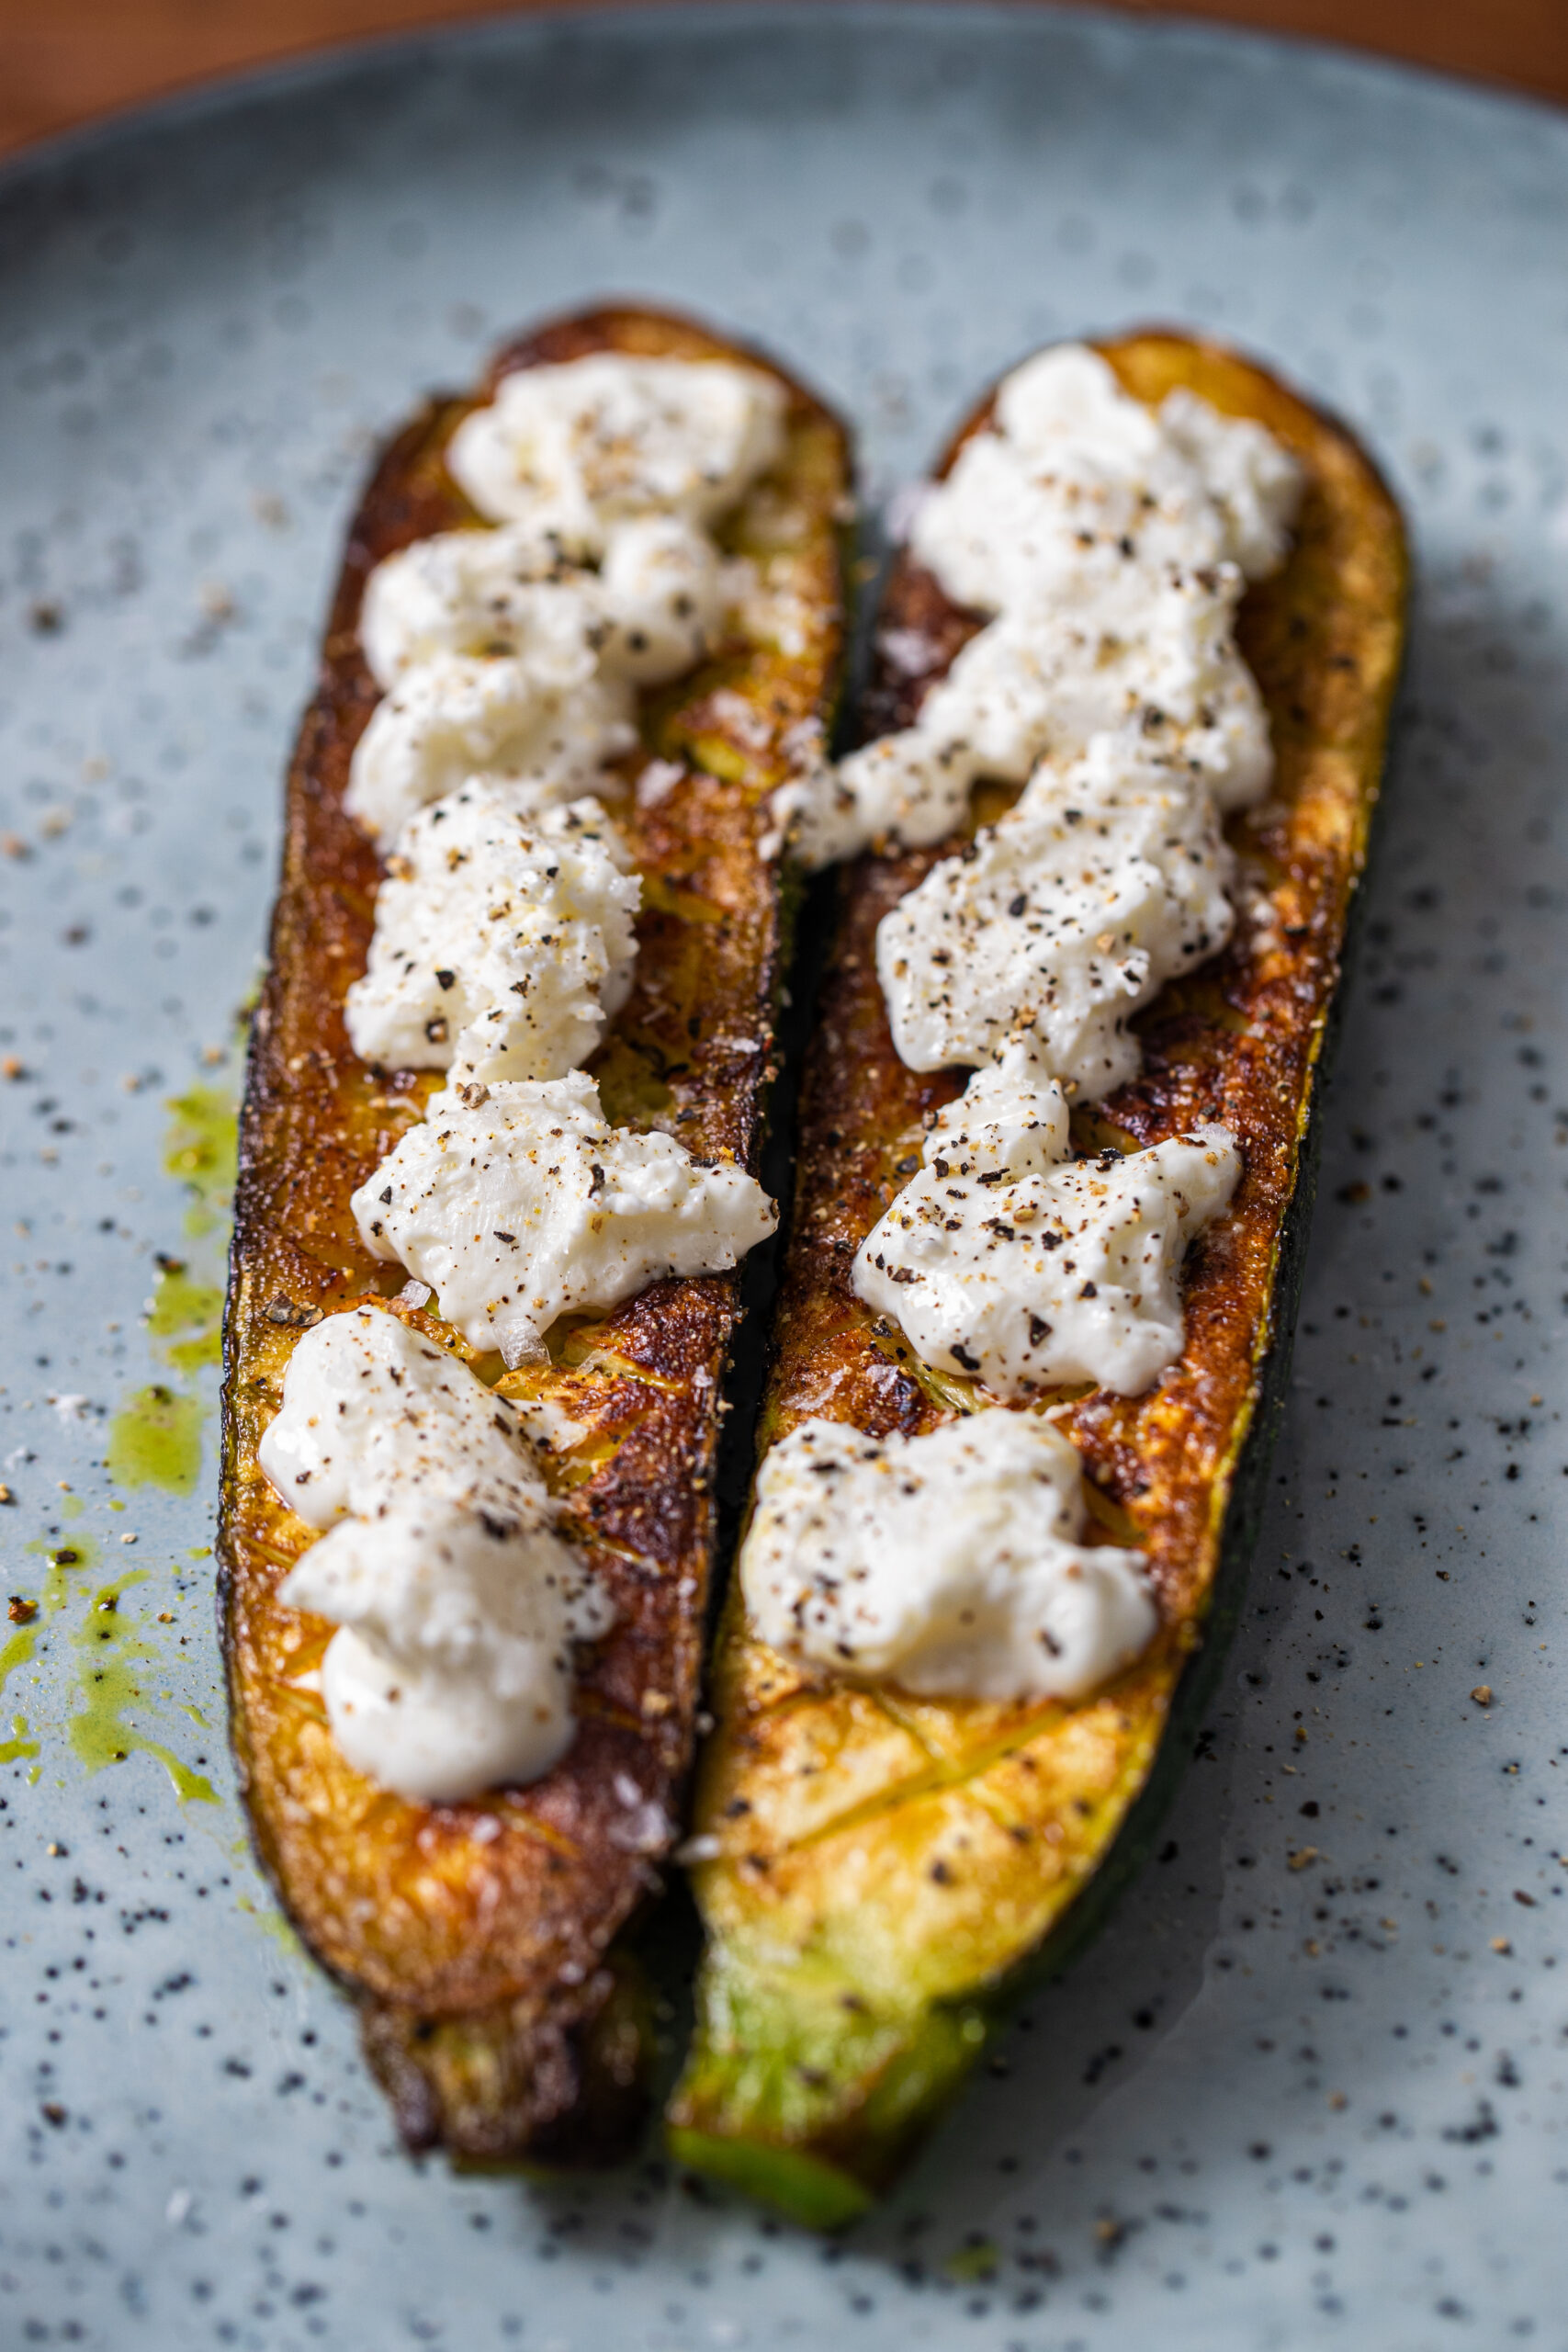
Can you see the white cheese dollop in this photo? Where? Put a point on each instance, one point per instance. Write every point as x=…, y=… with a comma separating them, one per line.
x=502, y=942
x=517, y=651
x=373, y=1411
x=650, y=611
x=577, y=447
x=451, y=1672
x=1151, y=662
x=1105, y=881
x=1253, y=481
x=519, y=1201
x=661, y=594
x=474, y=591
x=952, y=1563
x=547, y=738
x=1110, y=543
x=1069, y=453
x=457, y=1604
x=998, y=1259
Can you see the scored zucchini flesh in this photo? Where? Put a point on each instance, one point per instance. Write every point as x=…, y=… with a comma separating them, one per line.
x=891, y=1871
x=502, y=2007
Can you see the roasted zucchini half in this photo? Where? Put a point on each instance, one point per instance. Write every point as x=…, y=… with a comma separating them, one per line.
x=889, y=1874
x=486, y=1943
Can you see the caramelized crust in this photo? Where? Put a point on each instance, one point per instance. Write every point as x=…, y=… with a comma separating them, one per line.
x=889, y=1865
x=485, y=1941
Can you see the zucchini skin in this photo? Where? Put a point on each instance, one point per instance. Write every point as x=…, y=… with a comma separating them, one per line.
x=501, y=2005
x=892, y=1875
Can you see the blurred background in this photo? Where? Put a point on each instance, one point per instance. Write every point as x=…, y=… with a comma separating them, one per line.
x=64, y=62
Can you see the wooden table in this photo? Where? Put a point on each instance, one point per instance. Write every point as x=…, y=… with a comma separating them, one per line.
x=63, y=62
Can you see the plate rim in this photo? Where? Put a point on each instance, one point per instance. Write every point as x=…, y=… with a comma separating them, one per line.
x=142, y=119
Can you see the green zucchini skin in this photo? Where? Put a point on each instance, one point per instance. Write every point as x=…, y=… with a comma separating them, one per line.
x=818, y=2067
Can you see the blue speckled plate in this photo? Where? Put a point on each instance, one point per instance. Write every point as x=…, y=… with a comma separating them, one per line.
x=1309, y=2088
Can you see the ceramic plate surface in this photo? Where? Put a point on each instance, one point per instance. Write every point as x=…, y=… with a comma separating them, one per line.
x=1309, y=2088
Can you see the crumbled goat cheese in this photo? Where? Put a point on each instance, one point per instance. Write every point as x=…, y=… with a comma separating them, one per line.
x=651, y=610
x=1254, y=482
x=1069, y=453
x=502, y=942
x=1013, y=1115
x=519, y=1201
x=517, y=651
x=998, y=1259
x=662, y=595
x=1105, y=881
x=456, y=1603
x=952, y=1563
x=451, y=1671
x=511, y=660
x=1105, y=545
x=457, y=716
x=575, y=447
x=475, y=592
x=1020, y=693
x=1109, y=544
x=374, y=1411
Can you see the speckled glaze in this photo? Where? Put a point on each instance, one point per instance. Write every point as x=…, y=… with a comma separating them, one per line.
x=1309, y=2088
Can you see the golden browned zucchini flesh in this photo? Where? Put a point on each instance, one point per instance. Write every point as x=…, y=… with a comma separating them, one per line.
x=486, y=1942
x=889, y=1869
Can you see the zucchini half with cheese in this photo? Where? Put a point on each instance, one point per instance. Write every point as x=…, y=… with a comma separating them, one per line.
x=884, y=1870
x=486, y=1941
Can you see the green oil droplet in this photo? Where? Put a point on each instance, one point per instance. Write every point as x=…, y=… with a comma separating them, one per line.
x=65, y=1561
x=12, y=1749
x=973, y=2264
x=63, y=1552
x=189, y=1355
x=114, y=1656
x=273, y=1923
x=155, y=1439
x=201, y=1149
x=186, y=1317
x=19, y=1648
